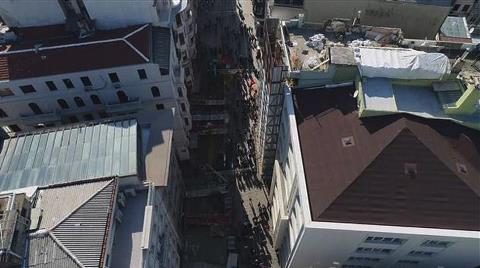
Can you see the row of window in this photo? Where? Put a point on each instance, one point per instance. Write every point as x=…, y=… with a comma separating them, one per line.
x=122, y=97
x=406, y=261
x=400, y=241
x=27, y=89
x=386, y=251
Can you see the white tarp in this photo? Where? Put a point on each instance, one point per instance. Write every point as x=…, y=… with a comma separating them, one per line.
x=399, y=63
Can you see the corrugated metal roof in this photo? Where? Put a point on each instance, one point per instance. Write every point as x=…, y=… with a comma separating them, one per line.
x=70, y=154
x=44, y=252
x=78, y=237
x=57, y=203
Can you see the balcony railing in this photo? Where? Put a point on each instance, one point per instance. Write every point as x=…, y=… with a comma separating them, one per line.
x=132, y=104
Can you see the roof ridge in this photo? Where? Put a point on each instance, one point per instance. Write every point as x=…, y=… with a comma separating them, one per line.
x=441, y=157
x=125, y=39
x=82, y=204
x=61, y=246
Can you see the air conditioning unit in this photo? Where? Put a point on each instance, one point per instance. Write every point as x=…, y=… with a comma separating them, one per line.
x=121, y=199
x=131, y=192
x=117, y=85
x=88, y=88
x=118, y=215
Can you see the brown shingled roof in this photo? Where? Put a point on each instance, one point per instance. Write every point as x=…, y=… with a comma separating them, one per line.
x=65, y=54
x=367, y=183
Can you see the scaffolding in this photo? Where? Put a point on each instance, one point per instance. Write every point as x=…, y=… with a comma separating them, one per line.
x=270, y=101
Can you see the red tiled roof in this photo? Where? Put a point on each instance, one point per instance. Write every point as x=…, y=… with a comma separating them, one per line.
x=366, y=182
x=64, y=54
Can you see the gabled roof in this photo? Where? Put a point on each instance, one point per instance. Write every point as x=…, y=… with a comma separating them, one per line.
x=328, y=122
x=58, y=52
x=77, y=226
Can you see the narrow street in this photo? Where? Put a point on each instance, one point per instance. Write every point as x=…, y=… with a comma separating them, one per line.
x=226, y=209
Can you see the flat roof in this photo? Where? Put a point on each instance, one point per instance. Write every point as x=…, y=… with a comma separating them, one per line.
x=68, y=154
x=355, y=168
x=383, y=95
x=127, y=246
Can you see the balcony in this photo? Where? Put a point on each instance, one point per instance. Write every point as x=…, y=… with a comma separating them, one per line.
x=131, y=105
x=33, y=119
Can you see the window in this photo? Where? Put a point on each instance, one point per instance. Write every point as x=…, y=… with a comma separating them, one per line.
x=374, y=250
x=178, y=19
x=27, y=89
x=436, y=243
x=122, y=97
x=73, y=119
x=369, y=259
x=182, y=39
x=113, y=77
x=51, y=86
x=63, y=104
x=164, y=71
x=408, y=262
x=183, y=107
x=79, y=102
x=5, y=92
x=348, y=141
x=456, y=7
x=461, y=168
x=410, y=169
x=187, y=71
x=68, y=83
x=160, y=106
x=419, y=253
x=3, y=114
x=95, y=99
x=86, y=81
x=35, y=108
x=180, y=92
x=88, y=117
x=186, y=121
x=14, y=128
x=155, y=92
x=385, y=240
x=142, y=74
x=465, y=8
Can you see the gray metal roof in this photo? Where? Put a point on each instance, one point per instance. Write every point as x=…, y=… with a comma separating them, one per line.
x=78, y=233
x=69, y=154
x=455, y=27
x=161, y=46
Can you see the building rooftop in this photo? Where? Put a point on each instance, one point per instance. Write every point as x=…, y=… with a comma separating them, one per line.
x=380, y=170
x=50, y=50
x=69, y=154
x=447, y=100
x=455, y=29
x=74, y=153
x=310, y=48
x=74, y=225
x=127, y=246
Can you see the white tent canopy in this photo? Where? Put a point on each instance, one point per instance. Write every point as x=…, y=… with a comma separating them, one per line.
x=399, y=63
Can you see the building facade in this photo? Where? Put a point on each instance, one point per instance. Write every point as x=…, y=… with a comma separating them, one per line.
x=115, y=66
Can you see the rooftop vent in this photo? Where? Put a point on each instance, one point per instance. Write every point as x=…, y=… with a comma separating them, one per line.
x=348, y=141
x=410, y=169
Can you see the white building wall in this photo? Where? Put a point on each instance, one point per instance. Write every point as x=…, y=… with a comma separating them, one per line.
x=138, y=91
x=122, y=13
x=332, y=244
x=27, y=13
x=302, y=242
